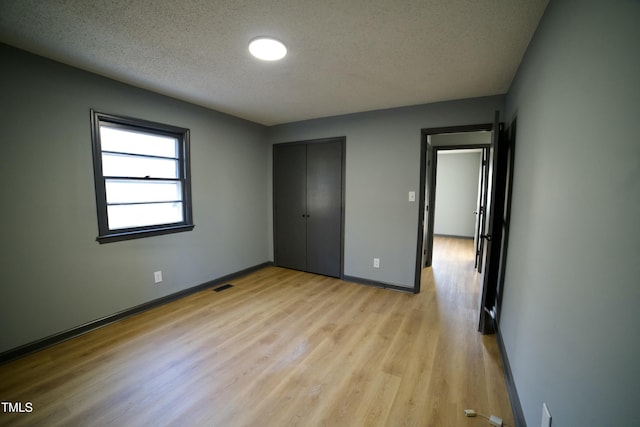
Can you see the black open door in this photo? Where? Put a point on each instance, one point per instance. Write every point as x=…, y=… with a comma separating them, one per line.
x=481, y=212
x=492, y=234
x=509, y=152
x=429, y=206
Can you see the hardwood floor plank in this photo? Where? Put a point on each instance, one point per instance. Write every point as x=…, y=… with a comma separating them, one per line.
x=279, y=348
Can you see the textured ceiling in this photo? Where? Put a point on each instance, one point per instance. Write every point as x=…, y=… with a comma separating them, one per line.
x=344, y=56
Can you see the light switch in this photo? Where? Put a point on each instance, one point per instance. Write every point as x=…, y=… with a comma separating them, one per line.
x=412, y=196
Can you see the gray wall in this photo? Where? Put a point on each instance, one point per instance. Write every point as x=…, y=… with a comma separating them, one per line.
x=571, y=306
x=456, y=192
x=54, y=276
x=382, y=166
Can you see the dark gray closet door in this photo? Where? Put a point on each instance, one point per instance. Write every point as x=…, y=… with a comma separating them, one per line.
x=324, y=208
x=289, y=165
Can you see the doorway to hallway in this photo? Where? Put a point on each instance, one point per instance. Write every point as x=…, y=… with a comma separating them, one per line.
x=488, y=235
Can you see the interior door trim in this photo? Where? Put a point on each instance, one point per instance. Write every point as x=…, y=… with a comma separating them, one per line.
x=424, y=145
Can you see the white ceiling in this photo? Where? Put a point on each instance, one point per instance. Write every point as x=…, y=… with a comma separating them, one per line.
x=345, y=56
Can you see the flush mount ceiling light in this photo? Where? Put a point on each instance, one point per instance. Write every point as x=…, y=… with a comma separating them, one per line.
x=267, y=48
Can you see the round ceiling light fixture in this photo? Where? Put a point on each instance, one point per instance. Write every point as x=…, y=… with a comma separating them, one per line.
x=267, y=48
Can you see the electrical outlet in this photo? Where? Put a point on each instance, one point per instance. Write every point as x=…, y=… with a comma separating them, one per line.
x=157, y=276
x=412, y=196
x=546, y=416
x=376, y=263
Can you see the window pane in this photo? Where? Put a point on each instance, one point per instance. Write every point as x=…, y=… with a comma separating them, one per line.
x=123, y=191
x=126, y=216
x=124, y=165
x=129, y=141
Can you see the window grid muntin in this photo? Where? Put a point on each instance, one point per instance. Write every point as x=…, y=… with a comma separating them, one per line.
x=113, y=219
x=154, y=187
x=143, y=163
x=133, y=127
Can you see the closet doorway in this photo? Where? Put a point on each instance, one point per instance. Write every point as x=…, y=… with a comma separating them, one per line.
x=308, y=200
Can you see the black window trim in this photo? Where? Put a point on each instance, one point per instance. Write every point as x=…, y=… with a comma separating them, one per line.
x=182, y=134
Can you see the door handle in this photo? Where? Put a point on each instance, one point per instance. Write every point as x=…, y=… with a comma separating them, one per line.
x=486, y=236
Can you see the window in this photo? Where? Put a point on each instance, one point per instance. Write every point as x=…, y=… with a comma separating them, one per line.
x=142, y=177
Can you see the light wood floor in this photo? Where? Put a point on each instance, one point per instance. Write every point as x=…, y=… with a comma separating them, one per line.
x=281, y=348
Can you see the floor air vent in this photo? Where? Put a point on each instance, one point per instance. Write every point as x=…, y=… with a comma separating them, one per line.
x=223, y=287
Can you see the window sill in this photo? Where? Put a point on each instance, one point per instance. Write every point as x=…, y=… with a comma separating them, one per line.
x=138, y=234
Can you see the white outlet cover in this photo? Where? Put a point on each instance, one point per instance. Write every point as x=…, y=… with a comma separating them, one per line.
x=546, y=416
x=157, y=275
x=412, y=196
